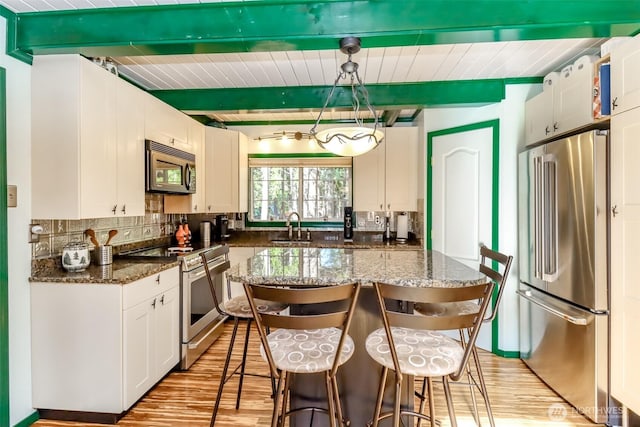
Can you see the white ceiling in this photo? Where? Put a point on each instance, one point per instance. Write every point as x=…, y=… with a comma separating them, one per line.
x=464, y=61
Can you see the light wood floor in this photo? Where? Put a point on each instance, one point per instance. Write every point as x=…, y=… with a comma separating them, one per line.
x=519, y=398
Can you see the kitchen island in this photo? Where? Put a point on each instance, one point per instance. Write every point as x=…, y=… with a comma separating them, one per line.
x=301, y=267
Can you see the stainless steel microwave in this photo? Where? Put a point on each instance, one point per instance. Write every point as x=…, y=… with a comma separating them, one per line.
x=169, y=170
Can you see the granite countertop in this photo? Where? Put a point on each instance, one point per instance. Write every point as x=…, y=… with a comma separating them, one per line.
x=319, y=239
x=120, y=272
x=332, y=266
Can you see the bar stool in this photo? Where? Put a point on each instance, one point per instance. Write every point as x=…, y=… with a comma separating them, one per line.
x=448, y=309
x=240, y=310
x=411, y=345
x=306, y=343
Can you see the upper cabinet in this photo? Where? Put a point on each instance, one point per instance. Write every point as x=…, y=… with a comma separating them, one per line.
x=564, y=104
x=166, y=125
x=87, y=141
x=227, y=171
x=386, y=178
x=625, y=84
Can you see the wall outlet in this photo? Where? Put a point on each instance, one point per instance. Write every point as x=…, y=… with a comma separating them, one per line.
x=370, y=215
x=377, y=219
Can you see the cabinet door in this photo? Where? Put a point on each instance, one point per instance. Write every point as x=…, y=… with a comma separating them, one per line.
x=369, y=179
x=572, y=98
x=167, y=332
x=539, y=117
x=625, y=270
x=625, y=85
x=221, y=162
x=138, y=347
x=130, y=156
x=98, y=192
x=165, y=124
x=401, y=169
x=196, y=139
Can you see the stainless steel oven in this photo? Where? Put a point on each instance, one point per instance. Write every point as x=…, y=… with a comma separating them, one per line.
x=202, y=324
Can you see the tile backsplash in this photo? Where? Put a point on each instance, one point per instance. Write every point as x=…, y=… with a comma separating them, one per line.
x=58, y=232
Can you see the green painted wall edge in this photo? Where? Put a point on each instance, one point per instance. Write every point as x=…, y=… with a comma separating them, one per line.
x=507, y=354
x=495, y=202
x=29, y=420
x=423, y=94
x=4, y=261
x=314, y=24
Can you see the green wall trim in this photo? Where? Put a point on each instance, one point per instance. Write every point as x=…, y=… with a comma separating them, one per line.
x=423, y=94
x=289, y=155
x=4, y=261
x=507, y=354
x=29, y=420
x=523, y=80
x=281, y=25
x=494, y=124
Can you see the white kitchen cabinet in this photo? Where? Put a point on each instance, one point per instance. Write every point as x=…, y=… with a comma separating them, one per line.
x=227, y=169
x=151, y=342
x=386, y=179
x=625, y=67
x=99, y=347
x=625, y=246
x=166, y=125
x=192, y=203
x=83, y=134
x=565, y=103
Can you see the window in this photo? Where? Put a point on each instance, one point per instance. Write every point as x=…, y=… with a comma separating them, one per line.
x=317, y=188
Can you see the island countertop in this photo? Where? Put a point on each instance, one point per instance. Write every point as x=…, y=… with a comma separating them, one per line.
x=332, y=266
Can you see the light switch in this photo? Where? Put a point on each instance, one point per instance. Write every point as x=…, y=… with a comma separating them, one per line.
x=12, y=196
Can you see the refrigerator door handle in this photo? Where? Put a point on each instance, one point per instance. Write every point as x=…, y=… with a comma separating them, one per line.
x=550, y=218
x=537, y=216
x=576, y=320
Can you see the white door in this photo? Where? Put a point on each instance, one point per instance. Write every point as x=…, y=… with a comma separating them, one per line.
x=461, y=188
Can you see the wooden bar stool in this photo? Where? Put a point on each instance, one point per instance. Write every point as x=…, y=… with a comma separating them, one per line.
x=240, y=310
x=487, y=258
x=306, y=343
x=411, y=345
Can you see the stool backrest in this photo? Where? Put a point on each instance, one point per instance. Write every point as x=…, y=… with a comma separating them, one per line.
x=486, y=257
x=332, y=313
x=415, y=295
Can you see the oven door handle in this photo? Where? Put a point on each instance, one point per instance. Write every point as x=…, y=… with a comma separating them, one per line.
x=215, y=270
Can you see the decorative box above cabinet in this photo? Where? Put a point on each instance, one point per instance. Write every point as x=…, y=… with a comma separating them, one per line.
x=87, y=141
x=226, y=171
x=565, y=103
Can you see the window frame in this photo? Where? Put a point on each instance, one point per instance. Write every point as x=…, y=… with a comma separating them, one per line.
x=303, y=160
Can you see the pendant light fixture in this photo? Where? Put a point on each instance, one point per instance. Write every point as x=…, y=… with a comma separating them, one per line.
x=350, y=140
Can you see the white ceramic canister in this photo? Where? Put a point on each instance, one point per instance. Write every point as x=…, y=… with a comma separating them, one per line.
x=75, y=256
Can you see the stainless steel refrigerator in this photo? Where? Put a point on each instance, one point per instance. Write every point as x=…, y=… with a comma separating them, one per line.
x=563, y=265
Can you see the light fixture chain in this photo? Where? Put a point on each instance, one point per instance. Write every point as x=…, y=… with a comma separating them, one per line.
x=326, y=102
x=365, y=94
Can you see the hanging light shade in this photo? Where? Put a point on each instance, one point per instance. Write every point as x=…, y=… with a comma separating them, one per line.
x=357, y=139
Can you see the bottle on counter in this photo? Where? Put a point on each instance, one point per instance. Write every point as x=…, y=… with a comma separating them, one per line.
x=187, y=233
x=180, y=235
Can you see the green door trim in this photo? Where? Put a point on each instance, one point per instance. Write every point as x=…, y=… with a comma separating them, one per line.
x=495, y=202
x=4, y=261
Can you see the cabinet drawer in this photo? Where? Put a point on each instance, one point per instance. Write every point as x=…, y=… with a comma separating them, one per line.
x=140, y=290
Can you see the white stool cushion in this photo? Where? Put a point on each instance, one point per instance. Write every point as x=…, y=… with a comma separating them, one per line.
x=239, y=307
x=447, y=308
x=309, y=351
x=420, y=353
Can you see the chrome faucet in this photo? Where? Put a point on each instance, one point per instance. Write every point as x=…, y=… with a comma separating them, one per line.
x=290, y=227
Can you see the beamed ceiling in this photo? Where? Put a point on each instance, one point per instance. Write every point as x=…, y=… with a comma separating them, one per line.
x=267, y=61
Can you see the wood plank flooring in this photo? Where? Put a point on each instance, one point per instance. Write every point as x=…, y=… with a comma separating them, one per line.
x=519, y=398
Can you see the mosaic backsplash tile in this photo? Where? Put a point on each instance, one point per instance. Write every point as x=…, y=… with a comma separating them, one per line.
x=58, y=232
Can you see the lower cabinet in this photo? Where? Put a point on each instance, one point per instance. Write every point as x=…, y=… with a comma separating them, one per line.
x=97, y=348
x=150, y=333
